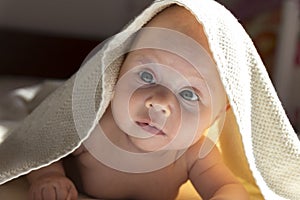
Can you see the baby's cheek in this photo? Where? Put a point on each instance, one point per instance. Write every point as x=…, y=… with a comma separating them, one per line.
x=187, y=126
x=198, y=122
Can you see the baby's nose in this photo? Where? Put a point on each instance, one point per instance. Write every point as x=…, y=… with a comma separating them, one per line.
x=158, y=107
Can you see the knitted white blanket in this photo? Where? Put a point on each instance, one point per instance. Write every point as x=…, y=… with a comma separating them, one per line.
x=258, y=142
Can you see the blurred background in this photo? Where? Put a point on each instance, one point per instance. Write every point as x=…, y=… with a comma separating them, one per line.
x=50, y=39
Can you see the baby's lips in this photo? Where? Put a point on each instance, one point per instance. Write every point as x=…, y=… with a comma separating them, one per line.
x=150, y=128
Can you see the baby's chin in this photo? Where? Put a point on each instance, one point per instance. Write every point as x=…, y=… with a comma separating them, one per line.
x=151, y=144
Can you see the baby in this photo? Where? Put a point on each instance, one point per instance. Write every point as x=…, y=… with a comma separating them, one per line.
x=161, y=108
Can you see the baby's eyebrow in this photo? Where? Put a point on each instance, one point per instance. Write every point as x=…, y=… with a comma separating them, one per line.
x=199, y=83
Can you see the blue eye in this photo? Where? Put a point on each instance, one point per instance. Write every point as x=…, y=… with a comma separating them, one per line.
x=147, y=77
x=189, y=95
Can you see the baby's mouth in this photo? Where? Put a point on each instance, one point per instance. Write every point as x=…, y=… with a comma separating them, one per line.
x=150, y=128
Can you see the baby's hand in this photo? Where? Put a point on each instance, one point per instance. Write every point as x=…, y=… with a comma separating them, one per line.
x=53, y=187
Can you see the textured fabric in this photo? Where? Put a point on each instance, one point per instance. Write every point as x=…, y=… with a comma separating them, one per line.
x=258, y=142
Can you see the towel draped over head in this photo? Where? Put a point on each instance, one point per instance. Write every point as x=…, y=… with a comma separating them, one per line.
x=257, y=142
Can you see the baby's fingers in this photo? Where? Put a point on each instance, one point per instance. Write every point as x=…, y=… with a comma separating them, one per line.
x=53, y=188
x=69, y=194
x=49, y=193
x=58, y=193
x=72, y=194
x=35, y=195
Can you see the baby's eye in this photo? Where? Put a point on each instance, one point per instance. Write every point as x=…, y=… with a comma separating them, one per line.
x=147, y=77
x=189, y=95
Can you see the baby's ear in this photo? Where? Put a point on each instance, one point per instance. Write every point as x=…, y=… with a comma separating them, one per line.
x=228, y=106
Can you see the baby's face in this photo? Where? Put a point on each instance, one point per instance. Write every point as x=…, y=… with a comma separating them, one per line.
x=162, y=101
x=169, y=91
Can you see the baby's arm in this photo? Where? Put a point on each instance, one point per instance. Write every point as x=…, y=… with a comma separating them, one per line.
x=51, y=183
x=213, y=180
